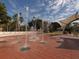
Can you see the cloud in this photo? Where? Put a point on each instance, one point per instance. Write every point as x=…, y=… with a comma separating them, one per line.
x=60, y=19
x=55, y=9
x=77, y=5
x=42, y=4
x=57, y=3
x=37, y=15
x=51, y=9
x=12, y=3
x=33, y=10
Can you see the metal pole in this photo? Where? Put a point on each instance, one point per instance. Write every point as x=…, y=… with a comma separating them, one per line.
x=26, y=47
x=18, y=26
x=26, y=41
x=43, y=41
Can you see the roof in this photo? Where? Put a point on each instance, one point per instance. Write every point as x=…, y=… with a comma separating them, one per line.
x=68, y=20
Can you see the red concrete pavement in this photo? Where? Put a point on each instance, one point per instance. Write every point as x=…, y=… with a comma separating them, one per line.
x=37, y=50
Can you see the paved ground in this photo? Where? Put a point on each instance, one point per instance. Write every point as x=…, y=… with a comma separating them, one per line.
x=50, y=50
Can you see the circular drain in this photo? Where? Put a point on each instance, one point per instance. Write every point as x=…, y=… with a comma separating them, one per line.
x=24, y=49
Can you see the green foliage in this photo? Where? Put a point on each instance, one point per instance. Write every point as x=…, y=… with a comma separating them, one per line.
x=15, y=25
x=54, y=26
x=4, y=18
x=36, y=23
x=3, y=10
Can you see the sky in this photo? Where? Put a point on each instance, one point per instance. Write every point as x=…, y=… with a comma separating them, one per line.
x=51, y=10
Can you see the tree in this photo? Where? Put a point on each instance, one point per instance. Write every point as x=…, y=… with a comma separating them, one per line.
x=16, y=23
x=36, y=23
x=4, y=18
x=54, y=26
x=3, y=10
x=3, y=13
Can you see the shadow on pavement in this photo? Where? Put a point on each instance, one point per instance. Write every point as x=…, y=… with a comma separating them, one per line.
x=72, y=44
